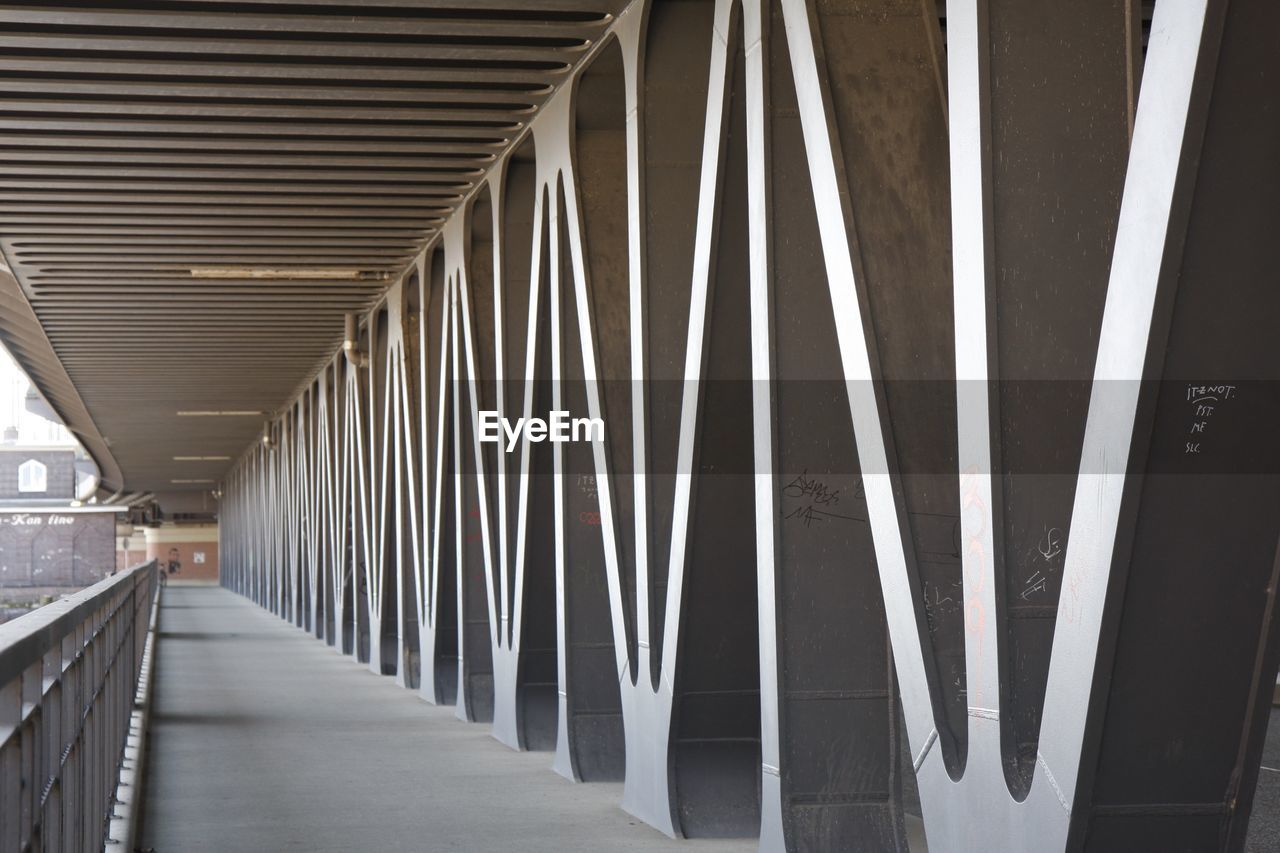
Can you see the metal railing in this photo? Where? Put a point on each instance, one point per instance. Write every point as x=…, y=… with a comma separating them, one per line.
x=68, y=674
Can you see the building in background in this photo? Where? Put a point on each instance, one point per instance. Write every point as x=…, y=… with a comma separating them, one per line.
x=194, y=546
x=50, y=541
x=54, y=536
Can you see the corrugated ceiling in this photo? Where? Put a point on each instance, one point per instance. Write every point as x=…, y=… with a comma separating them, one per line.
x=140, y=141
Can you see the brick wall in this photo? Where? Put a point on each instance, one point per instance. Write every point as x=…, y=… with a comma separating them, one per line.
x=56, y=549
x=187, y=554
x=61, y=473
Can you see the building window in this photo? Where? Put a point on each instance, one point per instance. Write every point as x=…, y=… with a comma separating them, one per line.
x=33, y=476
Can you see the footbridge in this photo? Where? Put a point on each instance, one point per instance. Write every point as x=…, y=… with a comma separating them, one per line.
x=928, y=491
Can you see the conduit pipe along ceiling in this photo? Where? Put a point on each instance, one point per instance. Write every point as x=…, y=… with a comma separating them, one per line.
x=192, y=199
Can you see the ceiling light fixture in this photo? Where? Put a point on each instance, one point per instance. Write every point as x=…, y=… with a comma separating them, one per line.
x=286, y=274
x=202, y=459
x=183, y=482
x=210, y=413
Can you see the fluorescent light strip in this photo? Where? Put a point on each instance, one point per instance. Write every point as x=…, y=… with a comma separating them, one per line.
x=218, y=414
x=202, y=459
x=187, y=482
x=290, y=274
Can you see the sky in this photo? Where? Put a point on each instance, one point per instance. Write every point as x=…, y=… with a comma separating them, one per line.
x=32, y=429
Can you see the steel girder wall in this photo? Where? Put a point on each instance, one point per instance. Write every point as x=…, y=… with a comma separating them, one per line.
x=821, y=275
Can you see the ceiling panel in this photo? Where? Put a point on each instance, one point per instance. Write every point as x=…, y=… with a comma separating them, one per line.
x=141, y=141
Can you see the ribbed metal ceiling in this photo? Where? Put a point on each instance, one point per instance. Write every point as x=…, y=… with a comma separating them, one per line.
x=140, y=141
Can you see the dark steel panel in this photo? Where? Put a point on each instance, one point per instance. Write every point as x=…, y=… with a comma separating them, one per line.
x=1193, y=666
x=591, y=679
x=716, y=704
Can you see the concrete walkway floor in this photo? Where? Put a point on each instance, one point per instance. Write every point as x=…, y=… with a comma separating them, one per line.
x=1264, y=824
x=263, y=739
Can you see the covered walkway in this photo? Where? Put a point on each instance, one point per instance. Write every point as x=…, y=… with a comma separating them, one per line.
x=928, y=353
x=265, y=739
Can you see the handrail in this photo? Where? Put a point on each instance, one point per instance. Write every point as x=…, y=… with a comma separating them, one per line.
x=68, y=675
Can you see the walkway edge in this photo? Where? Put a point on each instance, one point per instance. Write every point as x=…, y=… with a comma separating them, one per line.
x=122, y=834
